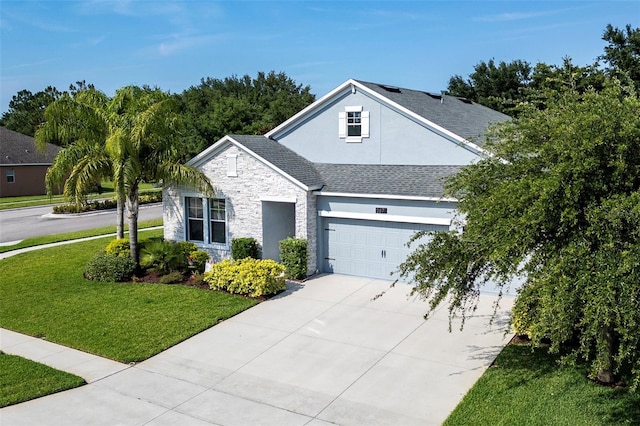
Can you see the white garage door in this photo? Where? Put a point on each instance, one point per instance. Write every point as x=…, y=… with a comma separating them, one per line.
x=368, y=248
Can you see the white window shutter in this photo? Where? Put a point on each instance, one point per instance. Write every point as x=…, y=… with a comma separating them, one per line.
x=232, y=165
x=365, y=124
x=342, y=124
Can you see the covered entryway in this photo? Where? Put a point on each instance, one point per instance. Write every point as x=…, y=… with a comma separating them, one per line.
x=278, y=223
x=368, y=248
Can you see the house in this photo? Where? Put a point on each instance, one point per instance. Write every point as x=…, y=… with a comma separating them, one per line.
x=356, y=173
x=22, y=166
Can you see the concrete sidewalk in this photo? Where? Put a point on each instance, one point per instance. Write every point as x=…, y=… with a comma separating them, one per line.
x=324, y=352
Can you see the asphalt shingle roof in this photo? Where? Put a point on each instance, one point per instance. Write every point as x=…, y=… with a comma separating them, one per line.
x=282, y=157
x=462, y=117
x=16, y=148
x=422, y=181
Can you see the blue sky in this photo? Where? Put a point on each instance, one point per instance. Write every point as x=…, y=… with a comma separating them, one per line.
x=174, y=44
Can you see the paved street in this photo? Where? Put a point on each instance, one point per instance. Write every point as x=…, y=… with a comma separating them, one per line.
x=18, y=224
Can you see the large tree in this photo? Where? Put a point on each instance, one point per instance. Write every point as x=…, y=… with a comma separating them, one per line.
x=556, y=202
x=26, y=110
x=496, y=86
x=244, y=105
x=622, y=53
x=132, y=138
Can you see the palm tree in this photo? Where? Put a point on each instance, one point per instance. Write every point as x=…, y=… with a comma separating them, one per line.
x=134, y=139
x=80, y=123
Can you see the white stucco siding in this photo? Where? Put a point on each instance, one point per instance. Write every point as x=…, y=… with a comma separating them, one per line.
x=244, y=193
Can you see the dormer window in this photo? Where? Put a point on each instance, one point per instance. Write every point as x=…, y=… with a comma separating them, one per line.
x=353, y=124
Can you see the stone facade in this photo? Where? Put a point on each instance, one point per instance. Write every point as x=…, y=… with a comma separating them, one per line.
x=243, y=193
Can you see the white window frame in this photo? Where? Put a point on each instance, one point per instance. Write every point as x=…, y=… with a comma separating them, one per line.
x=189, y=218
x=211, y=202
x=207, y=219
x=343, y=124
x=11, y=175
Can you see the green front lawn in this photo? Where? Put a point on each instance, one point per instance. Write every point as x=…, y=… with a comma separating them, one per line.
x=44, y=294
x=22, y=380
x=530, y=388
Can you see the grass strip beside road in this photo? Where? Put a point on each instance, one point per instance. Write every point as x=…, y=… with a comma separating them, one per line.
x=55, y=238
x=45, y=295
x=22, y=380
x=526, y=387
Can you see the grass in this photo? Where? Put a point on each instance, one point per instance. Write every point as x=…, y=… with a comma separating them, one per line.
x=530, y=388
x=22, y=380
x=44, y=294
x=47, y=239
x=44, y=200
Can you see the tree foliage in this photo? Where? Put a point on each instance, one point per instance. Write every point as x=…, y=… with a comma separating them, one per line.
x=235, y=105
x=495, y=86
x=558, y=203
x=623, y=52
x=505, y=86
x=26, y=109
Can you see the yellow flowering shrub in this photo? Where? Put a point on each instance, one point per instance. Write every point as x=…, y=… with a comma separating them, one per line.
x=248, y=277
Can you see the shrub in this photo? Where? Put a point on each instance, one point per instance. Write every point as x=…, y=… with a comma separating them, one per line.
x=242, y=248
x=249, y=277
x=171, y=278
x=163, y=256
x=293, y=254
x=197, y=260
x=150, y=197
x=119, y=247
x=524, y=311
x=109, y=268
x=186, y=248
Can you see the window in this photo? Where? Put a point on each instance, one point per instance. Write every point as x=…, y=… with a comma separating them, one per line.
x=195, y=219
x=212, y=211
x=11, y=176
x=218, y=221
x=353, y=124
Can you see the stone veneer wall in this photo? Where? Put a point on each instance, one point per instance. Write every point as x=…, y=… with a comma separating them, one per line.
x=244, y=208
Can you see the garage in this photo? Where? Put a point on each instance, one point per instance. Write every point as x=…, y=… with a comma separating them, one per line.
x=368, y=248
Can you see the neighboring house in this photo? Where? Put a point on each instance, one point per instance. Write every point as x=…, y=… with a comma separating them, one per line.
x=356, y=173
x=22, y=166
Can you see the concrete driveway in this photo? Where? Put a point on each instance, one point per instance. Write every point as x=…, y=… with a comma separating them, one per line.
x=324, y=352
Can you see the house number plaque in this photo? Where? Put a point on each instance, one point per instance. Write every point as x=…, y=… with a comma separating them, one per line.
x=381, y=210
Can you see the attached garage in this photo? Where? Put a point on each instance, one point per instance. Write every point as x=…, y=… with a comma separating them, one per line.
x=368, y=248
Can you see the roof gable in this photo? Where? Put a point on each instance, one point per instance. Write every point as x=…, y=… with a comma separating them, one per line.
x=457, y=119
x=276, y=156
x=19, y=149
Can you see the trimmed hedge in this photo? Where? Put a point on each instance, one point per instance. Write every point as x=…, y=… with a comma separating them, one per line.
x=248, y=277
x=151, y=197
x=109, y=268
x=242, y=248
x=293, y=254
